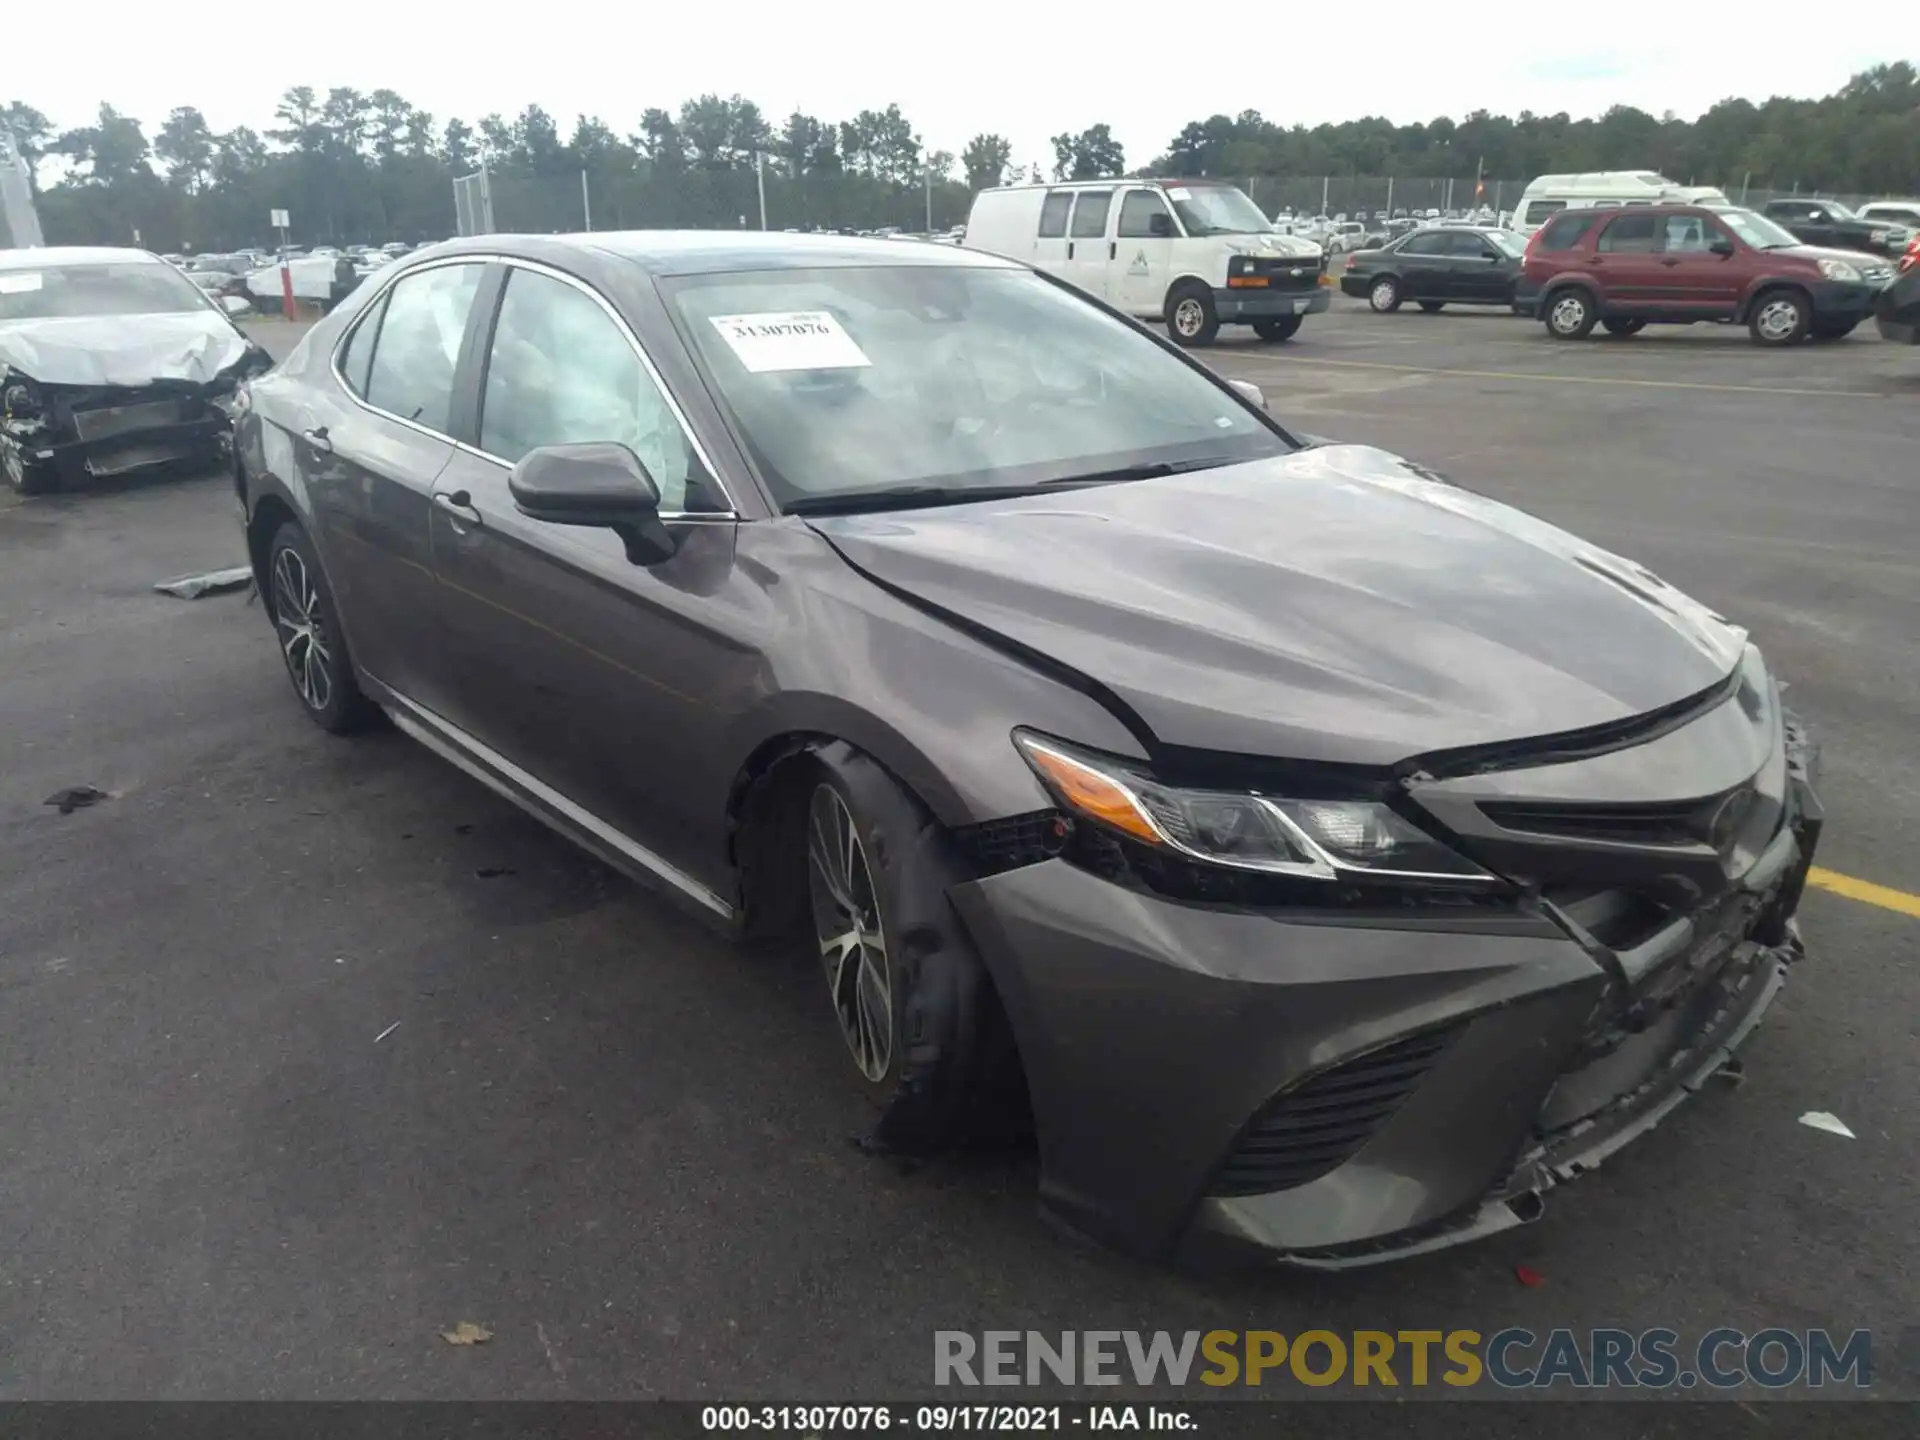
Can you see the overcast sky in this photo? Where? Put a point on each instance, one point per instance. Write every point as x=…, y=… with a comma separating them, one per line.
x=1025, y=70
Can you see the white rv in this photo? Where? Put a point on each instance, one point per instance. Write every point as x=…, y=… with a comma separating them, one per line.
x=1197, y=254
x=1603, y=189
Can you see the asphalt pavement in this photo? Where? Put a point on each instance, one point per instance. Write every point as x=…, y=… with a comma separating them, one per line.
x=313, y=1048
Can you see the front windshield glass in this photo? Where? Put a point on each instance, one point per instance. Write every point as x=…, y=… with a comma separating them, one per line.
x=1756, y=230
x=1505, y=242
x=1839, y=211
x=1217, y=210
x=66, y=291
x=861, y=379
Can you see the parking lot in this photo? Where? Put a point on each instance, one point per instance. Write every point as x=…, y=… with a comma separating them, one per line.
x=315, y=1048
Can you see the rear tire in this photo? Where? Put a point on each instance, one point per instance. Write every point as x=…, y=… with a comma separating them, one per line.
x=1432, y=307
x=1276, y=328
x=1570, y=314
x=1624, y=327
x=1780, y=318
x=878, y=868
x=307, y=625
x=1384, y=295
x=1191, y=318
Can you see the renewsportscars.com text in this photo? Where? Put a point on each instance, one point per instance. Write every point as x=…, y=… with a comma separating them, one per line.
x=1512, y=1359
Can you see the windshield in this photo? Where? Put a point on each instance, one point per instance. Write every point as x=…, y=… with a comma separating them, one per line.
x=1217, y=210
x=1505, y=242
x=66, y=291
x=861, y=379
x=1839, y=211
x=1756, y=230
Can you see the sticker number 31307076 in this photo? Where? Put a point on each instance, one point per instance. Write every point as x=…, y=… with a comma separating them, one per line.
x=795, y=340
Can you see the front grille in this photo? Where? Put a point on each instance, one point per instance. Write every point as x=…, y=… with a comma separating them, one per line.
x=1715, y=820
x=1282, y=273
x=1320, y=1124
x=110, y=420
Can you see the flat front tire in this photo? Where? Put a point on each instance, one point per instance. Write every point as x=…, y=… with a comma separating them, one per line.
x=915, y=1010
x=307, y=625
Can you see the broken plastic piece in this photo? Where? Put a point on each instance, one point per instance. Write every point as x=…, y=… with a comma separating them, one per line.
x=76, y=797
x=1733, y=1070
x=1832, y=1124
x=1529, y=1277
x=467, y=1333
x=386, y=1032
x=214, y=582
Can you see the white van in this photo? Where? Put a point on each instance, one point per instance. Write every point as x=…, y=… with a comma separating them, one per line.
x=1603, y=189
x=1197, y=254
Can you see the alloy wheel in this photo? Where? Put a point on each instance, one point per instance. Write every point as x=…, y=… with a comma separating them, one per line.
x=853, y=942
x=302, y=629
x=1188, y=317
x=1383, y=295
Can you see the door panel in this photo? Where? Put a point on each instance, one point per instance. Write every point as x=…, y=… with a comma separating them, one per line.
x=370, y=471
x=1623, y=259
x=1089, y=245
x=1481, y=274
x=1143, y=263
x=1423, y=266
x=1694, y=278
x=605, y=679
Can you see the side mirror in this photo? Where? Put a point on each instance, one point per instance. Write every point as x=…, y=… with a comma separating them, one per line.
x=1249, y=392
x=1720, y=245
x=601, y=484
x=1160, y=225
x=236, y=305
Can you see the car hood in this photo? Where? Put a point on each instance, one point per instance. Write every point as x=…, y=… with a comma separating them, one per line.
x=1335, y=604
x=123, y=350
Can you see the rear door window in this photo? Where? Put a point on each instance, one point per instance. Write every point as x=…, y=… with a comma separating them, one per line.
x=1630, y=235
x=1565, y=232
x=419, y=342
x=1053, y=215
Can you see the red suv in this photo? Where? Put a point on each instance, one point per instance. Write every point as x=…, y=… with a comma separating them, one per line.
x=1675, y=264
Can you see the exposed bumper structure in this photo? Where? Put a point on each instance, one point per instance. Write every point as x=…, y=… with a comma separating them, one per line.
x=1333, y=1089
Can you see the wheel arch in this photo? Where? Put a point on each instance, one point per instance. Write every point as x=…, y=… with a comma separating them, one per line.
x=1772, y=285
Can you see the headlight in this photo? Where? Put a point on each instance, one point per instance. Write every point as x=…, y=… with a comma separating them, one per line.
x=1839, y=270
x=1314, y=839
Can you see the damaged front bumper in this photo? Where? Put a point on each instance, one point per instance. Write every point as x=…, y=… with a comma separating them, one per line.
x=70, y=432
x=1223, y=1084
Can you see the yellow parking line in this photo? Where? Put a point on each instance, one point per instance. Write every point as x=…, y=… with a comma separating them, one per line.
x=1883, y=896
x=1571, y=379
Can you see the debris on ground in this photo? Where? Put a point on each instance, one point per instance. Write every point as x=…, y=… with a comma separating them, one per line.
x=214, y=582
x=1732, y=1071
x=76, y=797
x=1832, y=1124
x=467, y=1333
x=1529, y=1277
x=386, y=1032
x=493, y=872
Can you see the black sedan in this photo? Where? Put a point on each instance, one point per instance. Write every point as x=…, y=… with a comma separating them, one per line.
x=1897, y=312
x=1436, y=266
x=1323, y=861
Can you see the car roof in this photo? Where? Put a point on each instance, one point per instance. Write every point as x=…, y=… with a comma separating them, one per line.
x=713, y=252
x=44, y=255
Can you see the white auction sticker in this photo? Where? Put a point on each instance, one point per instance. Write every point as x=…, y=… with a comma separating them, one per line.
x=19, y=282
x=797, y=340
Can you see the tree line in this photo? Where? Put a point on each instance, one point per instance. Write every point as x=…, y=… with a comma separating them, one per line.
x=354, y=166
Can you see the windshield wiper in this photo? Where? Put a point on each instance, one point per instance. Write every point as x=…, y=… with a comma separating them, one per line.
x=899, y=497
x=1147, y=470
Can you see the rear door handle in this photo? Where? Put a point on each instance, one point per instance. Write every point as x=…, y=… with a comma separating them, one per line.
x=458, y=504
x=1113, y=249
x=1070, y=249
x=1670, y=260
x=317, y=438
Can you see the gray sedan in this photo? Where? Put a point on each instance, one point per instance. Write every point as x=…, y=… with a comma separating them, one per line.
x=1318, y=860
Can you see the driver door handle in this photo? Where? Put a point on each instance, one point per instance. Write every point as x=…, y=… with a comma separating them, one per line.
x=458, y=504
x=317, y=438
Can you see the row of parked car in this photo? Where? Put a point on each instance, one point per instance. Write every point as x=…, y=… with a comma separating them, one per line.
x=1622, y=269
